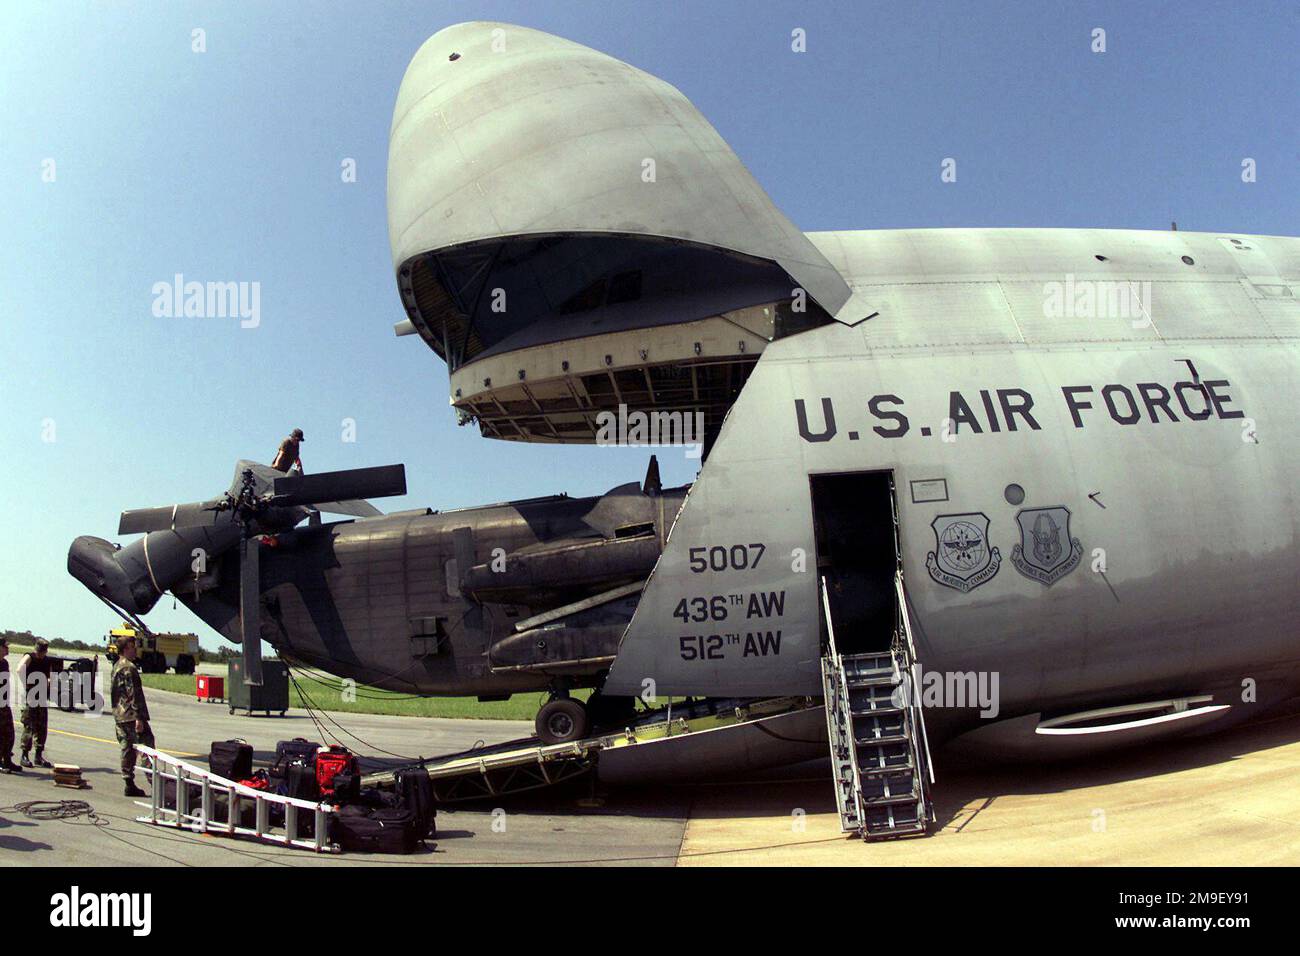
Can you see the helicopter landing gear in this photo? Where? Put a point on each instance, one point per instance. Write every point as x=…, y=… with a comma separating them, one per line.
x=561, y=720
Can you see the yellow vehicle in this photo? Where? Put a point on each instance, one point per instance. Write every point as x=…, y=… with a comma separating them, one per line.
x=158, y=652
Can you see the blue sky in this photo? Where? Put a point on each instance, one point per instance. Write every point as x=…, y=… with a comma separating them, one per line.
x=225, y=165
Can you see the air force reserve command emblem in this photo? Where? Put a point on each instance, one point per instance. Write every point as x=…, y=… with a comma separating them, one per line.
x=962, y=557
x=1046, y=552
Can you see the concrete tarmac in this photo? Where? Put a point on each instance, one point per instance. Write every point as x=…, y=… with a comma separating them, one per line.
x=1227, y=799
x=1222, y=799
x=560, y=826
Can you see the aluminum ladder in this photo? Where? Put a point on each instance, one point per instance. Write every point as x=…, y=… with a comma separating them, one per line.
x=189, y=804
x=879, y=753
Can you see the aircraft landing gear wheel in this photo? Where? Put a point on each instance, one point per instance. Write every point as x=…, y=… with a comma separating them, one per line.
x=561, y=720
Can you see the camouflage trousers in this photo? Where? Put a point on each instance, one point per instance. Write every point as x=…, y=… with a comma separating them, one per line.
x=6, y=732
x=127, y=738
x=36, y=726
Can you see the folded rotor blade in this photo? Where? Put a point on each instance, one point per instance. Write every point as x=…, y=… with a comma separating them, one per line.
x=190, y=515
x=381, y=482
x=359, y=508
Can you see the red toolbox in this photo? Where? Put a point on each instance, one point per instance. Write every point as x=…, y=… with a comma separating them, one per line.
x=209, y=687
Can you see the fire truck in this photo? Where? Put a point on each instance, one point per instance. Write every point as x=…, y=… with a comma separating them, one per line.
x=158, y=652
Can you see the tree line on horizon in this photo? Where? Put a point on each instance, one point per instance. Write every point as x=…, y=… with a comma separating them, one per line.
x=27, y=638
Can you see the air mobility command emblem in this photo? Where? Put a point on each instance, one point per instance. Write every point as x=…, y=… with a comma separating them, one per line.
x=962, y=557
x=1046, y=552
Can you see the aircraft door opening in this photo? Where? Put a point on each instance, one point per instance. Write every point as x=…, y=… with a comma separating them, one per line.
x=857, y=553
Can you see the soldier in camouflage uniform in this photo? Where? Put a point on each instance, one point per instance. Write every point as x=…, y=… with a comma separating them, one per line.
x=130, y=712
x=7, y=694
x=34, y=679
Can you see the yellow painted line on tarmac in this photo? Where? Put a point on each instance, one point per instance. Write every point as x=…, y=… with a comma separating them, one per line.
x=105, y=740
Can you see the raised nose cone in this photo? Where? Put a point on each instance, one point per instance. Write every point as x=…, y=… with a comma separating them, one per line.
x=500, y=130
x=540, y=194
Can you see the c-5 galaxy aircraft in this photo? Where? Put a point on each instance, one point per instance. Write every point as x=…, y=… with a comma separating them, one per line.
x=1053, y=464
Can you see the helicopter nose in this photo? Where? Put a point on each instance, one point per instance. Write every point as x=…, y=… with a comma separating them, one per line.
x=93, y=561
x=90, y=561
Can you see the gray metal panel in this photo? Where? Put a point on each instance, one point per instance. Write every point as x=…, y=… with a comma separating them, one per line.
x=1196, y=522
x=752, y=491
x=526, y=133
x=959, y=289
x=920, y=255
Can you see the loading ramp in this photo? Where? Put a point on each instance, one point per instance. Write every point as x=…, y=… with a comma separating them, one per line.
x=527, y=764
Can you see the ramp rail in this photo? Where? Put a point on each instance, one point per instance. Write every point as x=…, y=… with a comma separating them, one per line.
x=198, y=799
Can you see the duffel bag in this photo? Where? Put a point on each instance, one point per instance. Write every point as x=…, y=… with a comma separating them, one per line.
x=256, y=781
x=376, y=799
x=231, y=759
x=363, y=830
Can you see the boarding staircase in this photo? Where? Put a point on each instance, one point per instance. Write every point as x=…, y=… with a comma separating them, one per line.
x=879, y=753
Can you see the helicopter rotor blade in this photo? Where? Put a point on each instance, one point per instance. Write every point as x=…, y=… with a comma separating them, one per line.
x=383, y=481
x=189, y=515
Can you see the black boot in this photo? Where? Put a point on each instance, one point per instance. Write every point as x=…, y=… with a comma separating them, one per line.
x=9, y=766
x=132, y=790
x=41, y=761
x=25, y=760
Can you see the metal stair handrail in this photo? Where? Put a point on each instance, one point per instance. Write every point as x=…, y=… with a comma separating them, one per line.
x=842, y=701
x=908, y=646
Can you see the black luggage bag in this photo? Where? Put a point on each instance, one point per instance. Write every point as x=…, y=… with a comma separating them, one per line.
x=231, y=759
x=363, y=830
x=377, y=799
x=300, y=782
x=415, y=793
x=347, y=788
x=300, y=750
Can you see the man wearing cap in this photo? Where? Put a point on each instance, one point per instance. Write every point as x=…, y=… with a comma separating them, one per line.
x=130, y=712
x=287, y=456
x=34, y=680
x=7, y=764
